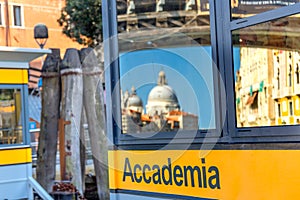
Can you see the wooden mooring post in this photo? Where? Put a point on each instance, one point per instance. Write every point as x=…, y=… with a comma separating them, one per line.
x=93, y=100
x=71, y=108
x=62, y=152
x=47, y=149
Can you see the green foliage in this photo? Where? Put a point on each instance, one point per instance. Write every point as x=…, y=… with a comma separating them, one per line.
x=82, y=21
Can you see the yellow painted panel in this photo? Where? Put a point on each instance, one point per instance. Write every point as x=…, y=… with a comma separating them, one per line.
x=284, y=107
x=297, y=105
x=224, y=174
x=15, y=156
x=291, y=120
x=279, y=121
x=13, y=76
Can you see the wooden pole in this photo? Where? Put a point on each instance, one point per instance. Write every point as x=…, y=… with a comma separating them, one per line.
x=93, y=100
x=47, y=149
x=62, y=152
x=82, y=147
x=71, y=79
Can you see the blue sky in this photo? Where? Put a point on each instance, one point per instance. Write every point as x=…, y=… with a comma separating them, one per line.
x=188, y=71
x=236, y=60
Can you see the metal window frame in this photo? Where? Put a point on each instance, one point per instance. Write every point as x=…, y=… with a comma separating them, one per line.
x=113, y=107
x=222, y=54
x=262, y=133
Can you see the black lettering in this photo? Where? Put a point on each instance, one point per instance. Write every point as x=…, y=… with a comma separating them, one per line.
x=204, y=173
x=168, y=169
x=192, y=170
x=156, y=176
x=214, y=180
x=137, y=179
x=187, y=175
x=127, y=165
x=144, y=173
x=177, y=175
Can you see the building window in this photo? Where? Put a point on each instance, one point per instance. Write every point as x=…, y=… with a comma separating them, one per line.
x=297, y=74
x=290, y=76
x=278, y=79
x=17, y=15
x=291, y=108
x=279, y=110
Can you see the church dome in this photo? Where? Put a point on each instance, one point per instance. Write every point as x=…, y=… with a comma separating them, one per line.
x=134, y=99
x=162, y=98
x=163, y=93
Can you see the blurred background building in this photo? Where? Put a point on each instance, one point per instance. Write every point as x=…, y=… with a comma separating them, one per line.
x=17, y=21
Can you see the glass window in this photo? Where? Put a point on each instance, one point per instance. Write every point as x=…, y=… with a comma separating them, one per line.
x=10, y=116
x=246, y=8
x=17, y=15
x=266, y=56
x=166, y=70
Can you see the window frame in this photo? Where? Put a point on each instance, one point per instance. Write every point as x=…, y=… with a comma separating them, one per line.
x=112, y=71
x=222, y=54
x=24, y=112
x=22, y=21
x=262, y=133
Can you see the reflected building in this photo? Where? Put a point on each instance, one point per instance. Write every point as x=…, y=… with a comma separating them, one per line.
x=286, y=91
x=267, y=87
x=162, y=23
x=162, y=111
x=254, y=88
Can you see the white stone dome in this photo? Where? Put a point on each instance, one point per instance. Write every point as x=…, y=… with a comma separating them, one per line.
x=135, y=100
x=162, y=98
x=163, y=93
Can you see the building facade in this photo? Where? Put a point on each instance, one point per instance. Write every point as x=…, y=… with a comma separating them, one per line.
x=17, y=21
x=267, y=87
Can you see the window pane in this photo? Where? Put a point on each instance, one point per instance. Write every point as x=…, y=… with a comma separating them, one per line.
x=165, y=65
x=246, y=8
x=10, y=116
x=266, y=67
x=17, y=16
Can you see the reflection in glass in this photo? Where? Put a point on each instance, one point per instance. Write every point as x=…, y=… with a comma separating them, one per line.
x=167, y=90
x=246, y=8
x=162, y=111
x=10, y=116
x=266, y=67
x=160, y=54
x=162, y=23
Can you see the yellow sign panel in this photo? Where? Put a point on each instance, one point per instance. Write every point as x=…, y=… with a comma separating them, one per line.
x=15, y=156
x=222, y=174
x=13, y=76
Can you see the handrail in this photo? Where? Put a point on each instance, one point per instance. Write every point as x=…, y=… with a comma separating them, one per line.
x=39, y=189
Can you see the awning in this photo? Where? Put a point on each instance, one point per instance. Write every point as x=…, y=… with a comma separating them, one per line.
x=251, y=98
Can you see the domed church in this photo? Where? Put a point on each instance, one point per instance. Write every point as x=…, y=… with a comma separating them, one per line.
x=162, y=111
x=162, y=98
